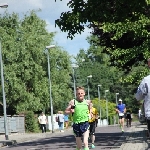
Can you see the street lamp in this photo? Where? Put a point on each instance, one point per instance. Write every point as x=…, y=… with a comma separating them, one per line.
x=4, y=5
x=3, y=88
x=50, y=88
x=4, y=99
x=117, y=104
x=106, y=104
x=90, y=76
x=116, y=98
x=99, y=100
x=74, y=81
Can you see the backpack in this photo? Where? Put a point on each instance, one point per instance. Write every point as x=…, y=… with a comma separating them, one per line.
x=57, y=119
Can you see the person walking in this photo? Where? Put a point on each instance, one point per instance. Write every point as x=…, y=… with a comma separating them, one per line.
x=92, y=122
x=42, y=121
x=79, y=109
x=60, y=120
x=139, y=112
x=128, y=117
x=121, y=110
x=66, y=120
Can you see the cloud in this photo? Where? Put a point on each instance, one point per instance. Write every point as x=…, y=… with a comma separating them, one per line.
x=50, y=11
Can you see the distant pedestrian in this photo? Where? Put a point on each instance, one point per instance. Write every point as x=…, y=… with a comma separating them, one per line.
x=42, y=121
x=139, y=113
x=66, y=120
x=128, y=117
x=60, y=120
x=121, y=110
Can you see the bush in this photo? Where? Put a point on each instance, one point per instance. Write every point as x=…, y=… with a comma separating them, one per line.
x=31, y=123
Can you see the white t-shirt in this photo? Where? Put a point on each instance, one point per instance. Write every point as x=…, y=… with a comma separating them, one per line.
x=61, y=117
x=42, y=119
x=139, y=112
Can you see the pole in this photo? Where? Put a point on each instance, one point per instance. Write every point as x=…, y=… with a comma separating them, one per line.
x=116, y=106
x=116, y=100
x=74, y=84
x=99, y=103
x=51, y=101
x=4, y=100
x=106, y=107
x=88, y=89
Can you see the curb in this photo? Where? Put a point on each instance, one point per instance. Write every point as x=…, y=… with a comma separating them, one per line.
x=8, y=143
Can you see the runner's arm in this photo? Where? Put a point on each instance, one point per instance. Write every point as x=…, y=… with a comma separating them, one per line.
x=125, y=110
x=68, y=109
x=90, y=107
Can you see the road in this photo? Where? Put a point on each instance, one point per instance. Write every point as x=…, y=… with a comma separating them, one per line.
x=106, y=137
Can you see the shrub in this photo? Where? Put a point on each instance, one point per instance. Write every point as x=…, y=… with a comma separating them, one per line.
x=31, y=123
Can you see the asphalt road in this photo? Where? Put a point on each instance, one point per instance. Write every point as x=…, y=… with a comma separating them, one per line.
x=106, y=137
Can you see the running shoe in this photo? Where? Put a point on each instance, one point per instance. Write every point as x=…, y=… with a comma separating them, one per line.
x=86, y=148
x=93, y=146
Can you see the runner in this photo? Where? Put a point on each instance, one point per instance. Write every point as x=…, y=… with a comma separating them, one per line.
x=80, y=107
x=92, y=123
x=121, y=109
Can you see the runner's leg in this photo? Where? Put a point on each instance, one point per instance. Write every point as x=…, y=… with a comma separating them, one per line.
x=85, y=138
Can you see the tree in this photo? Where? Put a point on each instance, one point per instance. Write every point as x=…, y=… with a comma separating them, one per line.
x=25, y=64
x=122, y=29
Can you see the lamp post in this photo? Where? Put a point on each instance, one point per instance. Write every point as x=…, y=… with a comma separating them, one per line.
x=4, y=5
x=90, y=76
x=74, y=81
x=4, y=99
x=3, y=88
x=99, y=100
x=106, y=104
x=116, y=98
x=50, y=88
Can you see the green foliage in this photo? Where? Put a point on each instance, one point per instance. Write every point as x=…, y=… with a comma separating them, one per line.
x=25, y=65
x=121, y=30
x=31, y=123
x=102, y=102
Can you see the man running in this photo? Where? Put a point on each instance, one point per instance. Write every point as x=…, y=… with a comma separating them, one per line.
x=80, y=107
x=92, y=123
x=121, y=110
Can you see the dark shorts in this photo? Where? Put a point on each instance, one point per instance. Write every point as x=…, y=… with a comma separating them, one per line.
x=120, y=117
x=80, y=128
x=128, y=116
x=92, y=128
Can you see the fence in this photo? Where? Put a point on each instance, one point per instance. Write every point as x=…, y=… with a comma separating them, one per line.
x=15, y=124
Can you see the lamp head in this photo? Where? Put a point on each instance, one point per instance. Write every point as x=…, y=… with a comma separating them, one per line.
x=5, y=5
x=117, y=93
x=90, y=76
x=50, y=46
x=99, y=85
x=106, y=90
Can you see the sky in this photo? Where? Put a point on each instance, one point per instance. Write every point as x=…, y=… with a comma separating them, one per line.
x=50, y=11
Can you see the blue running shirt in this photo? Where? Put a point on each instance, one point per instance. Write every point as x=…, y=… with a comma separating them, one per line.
x=121, y=107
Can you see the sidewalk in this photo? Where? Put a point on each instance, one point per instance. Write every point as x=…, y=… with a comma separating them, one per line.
x=134, y=138
x=16, y=138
